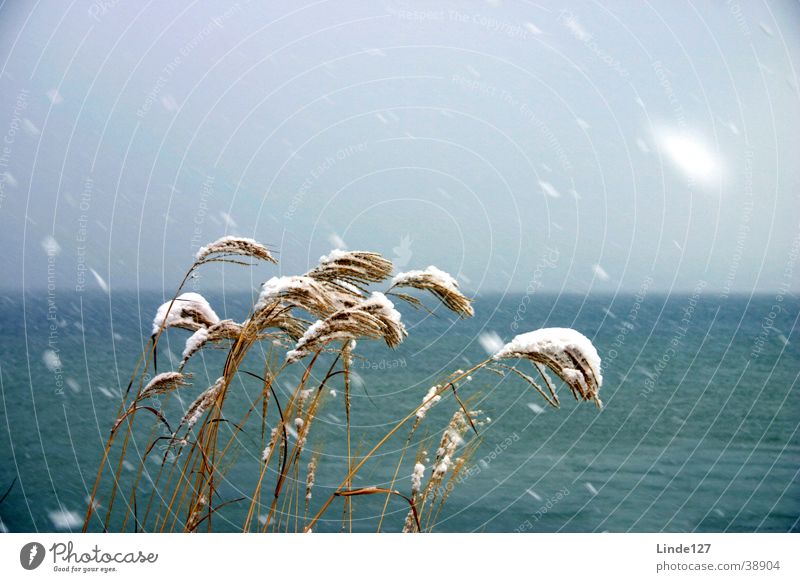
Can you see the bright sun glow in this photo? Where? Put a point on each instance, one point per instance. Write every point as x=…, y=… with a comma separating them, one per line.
x=690, y=154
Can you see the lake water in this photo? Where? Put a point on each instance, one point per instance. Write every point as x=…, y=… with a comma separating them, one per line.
x=699, y=431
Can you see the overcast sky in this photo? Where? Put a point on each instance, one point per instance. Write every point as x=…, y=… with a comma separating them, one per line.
x=511, y=144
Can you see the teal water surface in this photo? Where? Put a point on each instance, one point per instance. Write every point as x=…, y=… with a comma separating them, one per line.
x=698, y=431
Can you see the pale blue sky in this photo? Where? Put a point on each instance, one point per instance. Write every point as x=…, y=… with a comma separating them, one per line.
x=507, y=142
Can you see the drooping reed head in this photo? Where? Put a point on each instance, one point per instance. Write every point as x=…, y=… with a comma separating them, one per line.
x=374, y=317
x=567, y=352
x=441, y=284
x=163, y=383
x=302, y=292
x=226, y=329
x=202, y=403
x=353, y=267
x=233, y=246
x=188, y=311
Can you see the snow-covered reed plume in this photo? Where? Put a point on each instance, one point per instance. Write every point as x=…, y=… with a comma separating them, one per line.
x=375, y=317
x=273, y=438
x=202, y=403
x=278, y=316
x=452, y=436
x=353, y=268
x=302, y=292
x=163, y=383
x=382, y=309
x=233, y=246
x=311, y=475
x=441, y=284
x=189, y=311
x=416, y=479
x=222, y=330
x=428, y=401
x=568, y=353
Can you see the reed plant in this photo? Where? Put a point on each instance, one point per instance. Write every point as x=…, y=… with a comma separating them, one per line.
x=305, y=328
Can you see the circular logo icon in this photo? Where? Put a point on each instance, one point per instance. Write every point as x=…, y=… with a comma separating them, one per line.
x=31, y=555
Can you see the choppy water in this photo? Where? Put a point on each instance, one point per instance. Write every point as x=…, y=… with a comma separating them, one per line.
x=699, y=429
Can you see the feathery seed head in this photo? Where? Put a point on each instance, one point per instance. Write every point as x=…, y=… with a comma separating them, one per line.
x=233, y=246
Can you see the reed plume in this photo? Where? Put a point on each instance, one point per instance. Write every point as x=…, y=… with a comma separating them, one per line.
x=568, y=353
x=233, y=246
x=443, y=286
x=163, y=383
x=351, y=269
x=188, y=311
x=226, y=329
x=374, y=318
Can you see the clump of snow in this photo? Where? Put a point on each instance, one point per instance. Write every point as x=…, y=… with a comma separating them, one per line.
x=434, y=274
x=334, y=255
x=553, y=341
x=532, y=28
x=276, y=287
x=51, y=246
x=100, y=281
x=203, y=403
x=549, y=189
x=54, y=96
x=535, y=408
x=105, y=391
x=490, y=341
x=30, y=127
x=228, y=220
x=533, y=494
x=9, y=179
x=189, y=311
x=430, y=399
x=234, y=245
x=64, y=519
x=566, y=351
x=194, y=342
x=337, y=241
x=600, y=273
x=379, y=304
x=416, y=478
x=51, y=360
x=311, y=335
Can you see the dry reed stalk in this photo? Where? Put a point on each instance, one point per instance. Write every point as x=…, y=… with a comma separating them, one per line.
x=384, y=440
x=452, y=437
x=430, y=399
x=311, y=475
